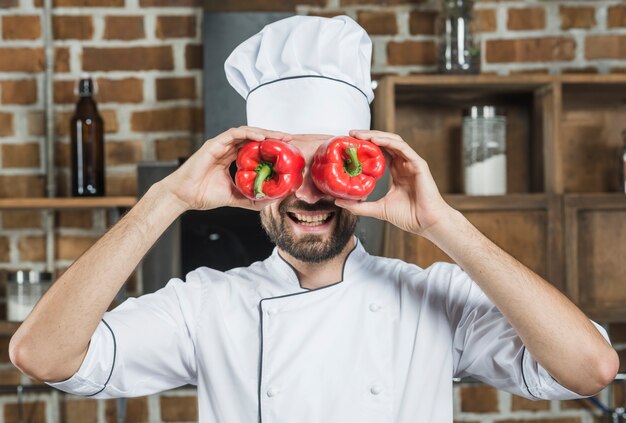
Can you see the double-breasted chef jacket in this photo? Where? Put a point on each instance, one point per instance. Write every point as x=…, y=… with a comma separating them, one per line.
x=381, y=345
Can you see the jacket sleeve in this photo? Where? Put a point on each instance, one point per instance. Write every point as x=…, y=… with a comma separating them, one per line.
x=145, y=345
x=486, y=347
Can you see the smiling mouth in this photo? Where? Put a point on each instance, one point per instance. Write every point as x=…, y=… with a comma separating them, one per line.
x=311, y=219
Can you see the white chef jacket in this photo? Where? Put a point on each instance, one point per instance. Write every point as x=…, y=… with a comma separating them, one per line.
x=382, y=345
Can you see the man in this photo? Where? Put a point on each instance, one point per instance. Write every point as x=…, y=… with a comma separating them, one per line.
x=320, y=331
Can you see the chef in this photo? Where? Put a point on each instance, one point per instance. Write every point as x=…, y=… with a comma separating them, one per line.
x=321, y=331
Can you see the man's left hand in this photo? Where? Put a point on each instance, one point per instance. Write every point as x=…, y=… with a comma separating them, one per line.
x=413, y=202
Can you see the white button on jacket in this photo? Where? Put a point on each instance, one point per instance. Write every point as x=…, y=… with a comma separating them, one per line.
x=380, y=346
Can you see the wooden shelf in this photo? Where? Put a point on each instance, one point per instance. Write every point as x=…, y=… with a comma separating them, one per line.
x=497, y=202
x=564, y=216
x=67, y=203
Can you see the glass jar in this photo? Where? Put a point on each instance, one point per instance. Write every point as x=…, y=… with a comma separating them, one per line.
x=457, y=51
x=24, y=289
x=484, y=150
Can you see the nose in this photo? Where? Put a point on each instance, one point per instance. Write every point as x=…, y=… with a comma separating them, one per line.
x=308, y=191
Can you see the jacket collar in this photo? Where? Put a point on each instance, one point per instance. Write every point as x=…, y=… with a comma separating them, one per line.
x=353, y=264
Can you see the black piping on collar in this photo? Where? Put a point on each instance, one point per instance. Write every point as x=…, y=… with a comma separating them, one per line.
x=308, y=76
x=284, y=296
x=343, y=270
x=112, y=365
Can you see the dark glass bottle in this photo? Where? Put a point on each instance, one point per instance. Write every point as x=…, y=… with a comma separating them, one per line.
x=87, y=147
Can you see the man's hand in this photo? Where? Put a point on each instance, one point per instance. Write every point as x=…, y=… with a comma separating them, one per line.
x=413, y=202
x=203, y=182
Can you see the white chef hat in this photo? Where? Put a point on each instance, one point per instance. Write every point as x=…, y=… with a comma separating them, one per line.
x=305, y=75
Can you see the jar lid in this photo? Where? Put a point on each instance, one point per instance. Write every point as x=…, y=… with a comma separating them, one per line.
x=29, y=276
x=486, y=111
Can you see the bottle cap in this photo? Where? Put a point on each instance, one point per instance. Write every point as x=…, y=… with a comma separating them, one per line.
x=86, y=86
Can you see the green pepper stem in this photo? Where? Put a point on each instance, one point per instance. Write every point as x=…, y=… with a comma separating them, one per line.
x=264, y=172
x=352, y=165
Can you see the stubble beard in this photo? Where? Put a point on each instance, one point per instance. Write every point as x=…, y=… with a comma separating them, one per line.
x=309, y=248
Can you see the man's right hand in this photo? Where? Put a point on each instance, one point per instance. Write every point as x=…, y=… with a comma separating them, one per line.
x=203, y=182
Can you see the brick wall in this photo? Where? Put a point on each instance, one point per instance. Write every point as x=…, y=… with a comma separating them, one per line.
x=146, y=58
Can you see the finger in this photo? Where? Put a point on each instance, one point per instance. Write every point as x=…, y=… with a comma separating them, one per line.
x=368, y=133
x=283, y=136
x=240, y=200
x=362, y=208
x=400, y=148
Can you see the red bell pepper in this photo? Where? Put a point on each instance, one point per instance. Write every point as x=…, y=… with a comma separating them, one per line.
x=347, y=168
x=268, y=169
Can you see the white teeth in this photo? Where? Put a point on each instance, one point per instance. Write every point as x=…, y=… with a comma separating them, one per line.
x=309, y=220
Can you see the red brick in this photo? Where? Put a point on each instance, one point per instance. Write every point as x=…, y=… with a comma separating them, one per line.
x=616, y=16
x=326, y=13
x=378, y=2
x=546, y=49
x=486, y=20
x=10, y=377
x=21, y=186
x=61, y=60
x=19, y=91
x=605, y=47
x=584, y=71
x=79, y=411
x=4, y=249
x=6, y=124
x=32, y=248
x=130, y=58
x=243, y=5
x=21, y=59
x=411, y=53
x=71, y=247
x=173, y=148
x=123, y=152
x=577, y=17
x=123, y=27
x=63, y=92
x=177, y=119
x=21, y=27
x=479, y=399
x=62, y=154
x=577, y=405
x=545, y=420
x=21, y=219
x=522, y=404
x=176, y=88
x=129, y=90
x=423, y=22
x=193, y=56
x=62, y=122
x=82, y=219
x=176, y=26
x=6, y=4
x=526, y=19
x=378, y=23
x=122, y=184
x=179, y=409
x=72, y=27
x=20, y=155
x=136, y=410
x=32, y=412
x=172, y=3
x=83, y=3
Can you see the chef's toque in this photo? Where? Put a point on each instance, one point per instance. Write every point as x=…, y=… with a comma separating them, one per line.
x=305, y=75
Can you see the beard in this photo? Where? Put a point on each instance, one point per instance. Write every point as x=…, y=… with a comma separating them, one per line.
x=309, y=248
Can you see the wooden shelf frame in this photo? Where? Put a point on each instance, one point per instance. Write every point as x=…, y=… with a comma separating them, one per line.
x=67, y=203
x=558, y=106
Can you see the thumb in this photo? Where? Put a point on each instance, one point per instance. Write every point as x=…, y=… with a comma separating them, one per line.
x=362, y=208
